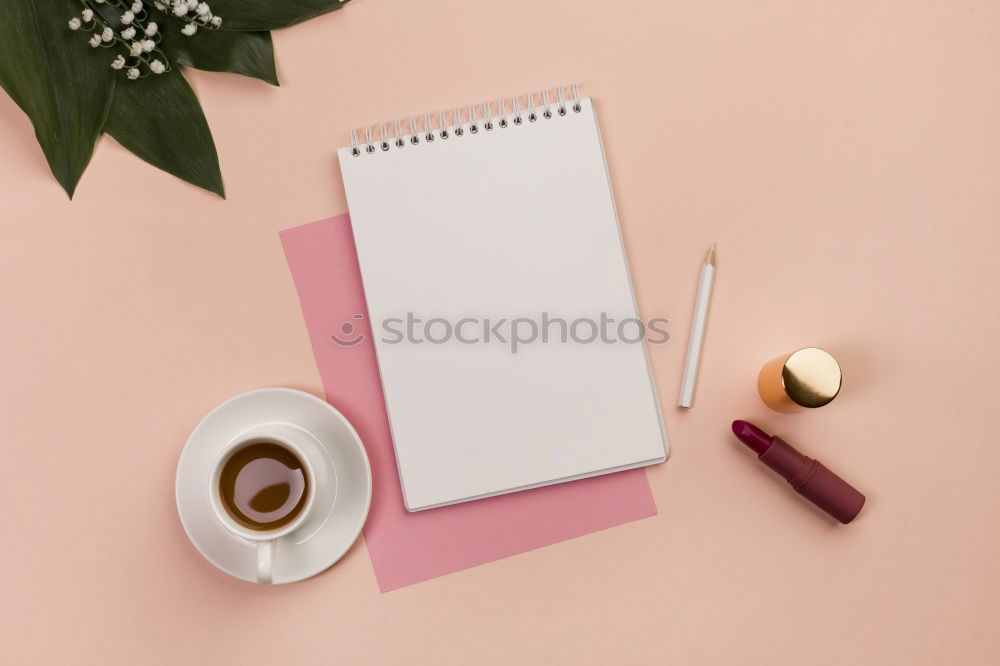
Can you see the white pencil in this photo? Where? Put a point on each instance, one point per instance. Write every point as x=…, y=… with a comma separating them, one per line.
x=697, y=329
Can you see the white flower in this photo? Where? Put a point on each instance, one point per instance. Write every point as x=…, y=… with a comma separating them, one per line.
x=192, y=4
x=95, y=41
x=128, y=33
x=132, y=73
x=189, y=29
x=157, y=67
x=216, y=21
x=100, y=2
x=75, y=23
x=107, y=34
x=180, y=10
x=135, y=49
x=137, y=6
x=87, y=15
x=118, y=62
x=148, y=45
x=151, y=28
x=159, y=5
x=127, y=18
x=202, y=9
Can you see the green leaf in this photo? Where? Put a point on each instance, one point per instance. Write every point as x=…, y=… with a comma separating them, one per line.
x=63, y=84
x=249, y=53
x=269, y=14
x=159, y=119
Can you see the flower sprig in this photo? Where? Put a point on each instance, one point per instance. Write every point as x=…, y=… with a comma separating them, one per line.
x=139, y=37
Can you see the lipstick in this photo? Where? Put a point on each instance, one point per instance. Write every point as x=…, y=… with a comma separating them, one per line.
x=807, y=477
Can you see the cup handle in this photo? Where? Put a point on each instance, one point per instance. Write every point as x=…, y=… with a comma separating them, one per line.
x=265, y=560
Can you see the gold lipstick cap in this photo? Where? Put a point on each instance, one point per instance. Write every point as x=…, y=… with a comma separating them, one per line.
x=804, y=379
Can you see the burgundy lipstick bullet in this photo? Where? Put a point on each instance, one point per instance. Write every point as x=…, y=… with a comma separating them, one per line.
x=807, y=477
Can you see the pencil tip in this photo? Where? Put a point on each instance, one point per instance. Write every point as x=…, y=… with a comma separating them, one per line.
x=710, y=257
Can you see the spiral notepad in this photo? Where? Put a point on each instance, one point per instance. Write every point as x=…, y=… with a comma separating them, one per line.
x=499, y=298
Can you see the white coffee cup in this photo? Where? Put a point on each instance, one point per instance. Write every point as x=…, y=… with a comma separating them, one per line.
x=304, y=447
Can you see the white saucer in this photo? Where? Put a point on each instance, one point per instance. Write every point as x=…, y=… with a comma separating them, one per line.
x=326, y=535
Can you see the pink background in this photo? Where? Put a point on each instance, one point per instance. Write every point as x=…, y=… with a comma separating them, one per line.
x=845, y=156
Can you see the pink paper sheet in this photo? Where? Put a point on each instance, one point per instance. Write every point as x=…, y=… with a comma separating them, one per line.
x=407, y=548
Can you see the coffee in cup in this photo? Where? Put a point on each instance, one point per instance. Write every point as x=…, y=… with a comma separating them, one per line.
x=263, y=485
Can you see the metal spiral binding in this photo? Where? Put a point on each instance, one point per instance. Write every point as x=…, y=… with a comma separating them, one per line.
x=507, y=112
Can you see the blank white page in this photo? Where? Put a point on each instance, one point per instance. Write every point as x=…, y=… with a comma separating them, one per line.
x=513, y=222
